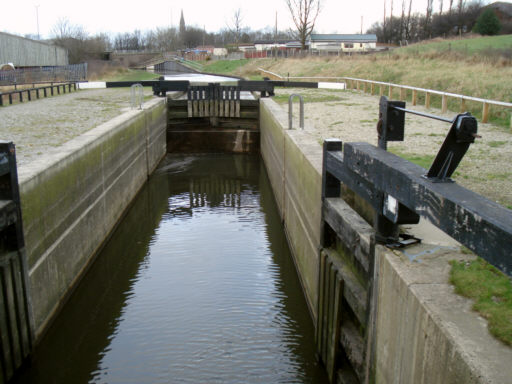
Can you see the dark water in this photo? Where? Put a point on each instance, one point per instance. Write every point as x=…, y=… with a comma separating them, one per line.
x=196, y=285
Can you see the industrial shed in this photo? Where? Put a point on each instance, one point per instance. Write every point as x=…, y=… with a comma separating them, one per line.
x=24, y=52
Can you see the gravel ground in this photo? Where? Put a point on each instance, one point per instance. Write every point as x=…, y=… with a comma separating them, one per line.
x=352, y=116
x=38, y=126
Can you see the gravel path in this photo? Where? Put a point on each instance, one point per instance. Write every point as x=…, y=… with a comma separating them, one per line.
x=352, y=116
x=38, y=126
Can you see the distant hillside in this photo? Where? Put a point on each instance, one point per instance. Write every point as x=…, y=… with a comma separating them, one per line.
x=495, y=45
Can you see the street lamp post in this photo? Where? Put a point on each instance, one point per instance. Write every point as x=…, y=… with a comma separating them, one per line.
x=37, y=20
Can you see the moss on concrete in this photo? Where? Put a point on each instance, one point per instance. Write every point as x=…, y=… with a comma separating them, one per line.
x=491, y=291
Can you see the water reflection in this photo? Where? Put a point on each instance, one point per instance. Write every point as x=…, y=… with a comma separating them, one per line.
x=196, y=285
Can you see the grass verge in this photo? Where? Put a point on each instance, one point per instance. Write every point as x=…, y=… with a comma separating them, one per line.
x=224, y=66
x=491, y=291
x=130, y=75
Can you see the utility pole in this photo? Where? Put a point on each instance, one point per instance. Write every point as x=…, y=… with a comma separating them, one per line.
x=37, y=21
x=275, y=38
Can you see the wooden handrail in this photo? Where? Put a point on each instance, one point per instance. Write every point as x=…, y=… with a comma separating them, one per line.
x=428, y=92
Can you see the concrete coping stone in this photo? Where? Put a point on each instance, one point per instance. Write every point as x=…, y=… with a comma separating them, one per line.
x=427, y=278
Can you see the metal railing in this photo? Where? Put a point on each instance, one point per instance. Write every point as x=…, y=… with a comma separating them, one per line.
x=136, y=96
x=290, y=111
x=57, y=74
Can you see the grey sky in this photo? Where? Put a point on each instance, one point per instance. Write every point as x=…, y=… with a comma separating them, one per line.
x=113, y=16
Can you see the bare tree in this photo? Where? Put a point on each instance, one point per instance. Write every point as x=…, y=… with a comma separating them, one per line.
x=408, y=23
x=304, y=14
x=384, y=22
x=235, y=27
x=391, y=18
x=428, y=18
x=63, y=29
x=402, y=22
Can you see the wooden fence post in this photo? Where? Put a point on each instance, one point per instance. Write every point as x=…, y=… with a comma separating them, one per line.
x=403, y=94
x=427, y=100
x=390, y=92
x=485, y=113
x=372, y=88
x=444, y=104
x=414, y=97
x=462, y=105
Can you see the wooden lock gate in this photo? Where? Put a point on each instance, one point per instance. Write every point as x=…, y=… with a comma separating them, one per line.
x=213, y=100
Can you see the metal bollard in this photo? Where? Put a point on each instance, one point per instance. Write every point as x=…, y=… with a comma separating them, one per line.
x=137, y=96
x=290, y=110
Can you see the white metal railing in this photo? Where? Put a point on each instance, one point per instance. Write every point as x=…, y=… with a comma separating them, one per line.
x=355, y=83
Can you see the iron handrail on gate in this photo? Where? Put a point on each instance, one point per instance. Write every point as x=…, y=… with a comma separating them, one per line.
x=400, y=191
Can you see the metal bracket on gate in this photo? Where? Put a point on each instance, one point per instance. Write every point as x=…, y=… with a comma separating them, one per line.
x=390, y=127
x=461, y=134
x=404, y=240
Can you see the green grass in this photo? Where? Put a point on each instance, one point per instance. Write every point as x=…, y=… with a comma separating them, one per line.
x=224, y=66
x=495, y=144
x=492, y=292
x=133, y=75
x=424, y=161
x=308, y=99
x=467, y=46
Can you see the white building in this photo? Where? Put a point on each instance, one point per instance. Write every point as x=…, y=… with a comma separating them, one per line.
x=342, y=43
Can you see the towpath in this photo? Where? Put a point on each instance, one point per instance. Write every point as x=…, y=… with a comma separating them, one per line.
x=352, y=116
x=39, y=126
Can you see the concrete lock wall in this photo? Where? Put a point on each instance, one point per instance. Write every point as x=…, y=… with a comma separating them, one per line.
x=72, y=199
x=422, y=331
x=294, y=163
x=425, y=332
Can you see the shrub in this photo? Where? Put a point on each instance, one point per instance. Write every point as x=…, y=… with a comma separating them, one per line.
x=487, y=23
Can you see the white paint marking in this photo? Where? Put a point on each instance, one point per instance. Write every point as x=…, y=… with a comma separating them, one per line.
x=331, y=85
x=92, y=85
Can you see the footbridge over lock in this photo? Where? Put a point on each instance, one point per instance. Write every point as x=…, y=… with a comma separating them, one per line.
x=374, y=316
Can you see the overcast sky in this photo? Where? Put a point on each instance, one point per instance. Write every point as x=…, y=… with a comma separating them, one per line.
x=113, y=16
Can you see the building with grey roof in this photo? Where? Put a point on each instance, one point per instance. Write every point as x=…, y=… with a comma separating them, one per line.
x=342, y=42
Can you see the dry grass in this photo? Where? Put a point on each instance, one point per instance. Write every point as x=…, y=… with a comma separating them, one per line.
x=478, y=79
x=449, y=72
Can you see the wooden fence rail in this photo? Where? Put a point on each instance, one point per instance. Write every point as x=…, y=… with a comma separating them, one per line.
x=29, y=92
x=371, y=85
